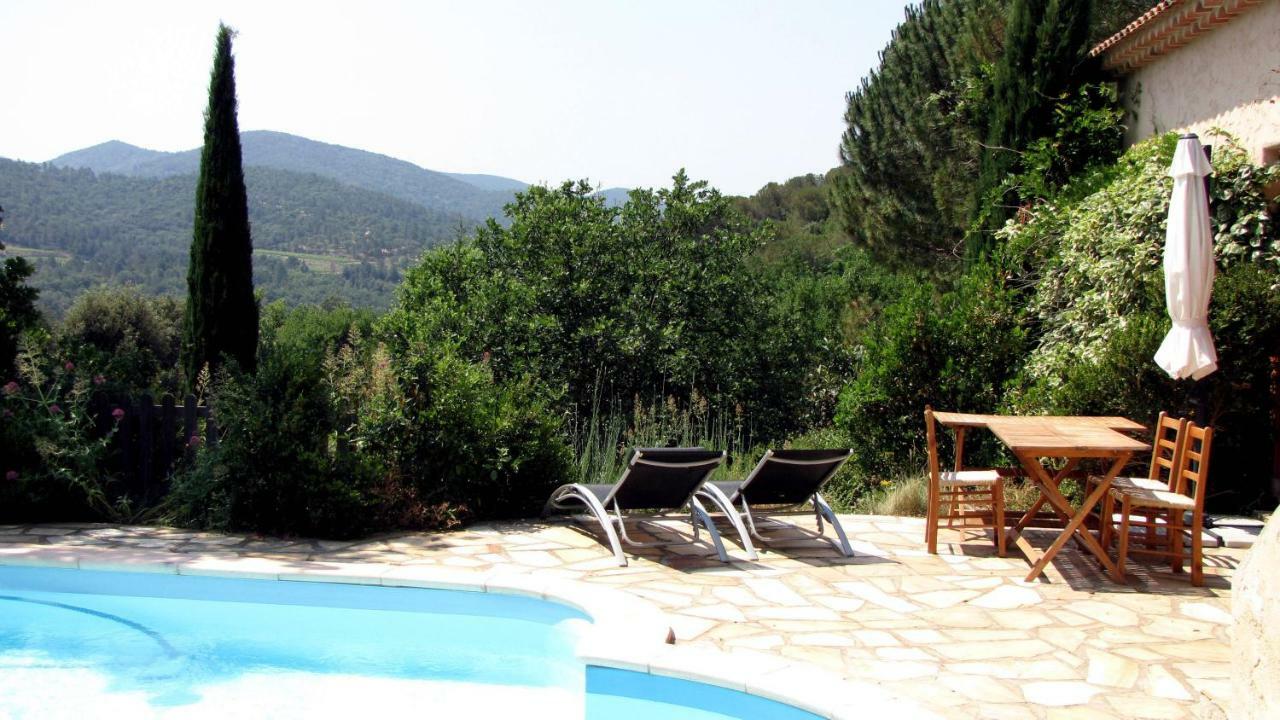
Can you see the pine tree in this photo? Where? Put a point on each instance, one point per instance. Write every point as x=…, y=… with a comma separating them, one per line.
x=911, y=150
x=221, y=319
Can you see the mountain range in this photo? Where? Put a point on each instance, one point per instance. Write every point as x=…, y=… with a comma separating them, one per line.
x=328, y=221
x=471, y=195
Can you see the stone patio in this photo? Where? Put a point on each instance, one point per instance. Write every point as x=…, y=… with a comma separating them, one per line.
x=961, y=633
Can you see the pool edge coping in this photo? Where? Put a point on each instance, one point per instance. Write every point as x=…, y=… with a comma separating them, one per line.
x=628, y=632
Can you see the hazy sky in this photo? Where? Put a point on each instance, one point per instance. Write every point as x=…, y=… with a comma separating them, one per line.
x=740, y=92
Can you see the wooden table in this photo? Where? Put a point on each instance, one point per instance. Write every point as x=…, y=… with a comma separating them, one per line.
x=1075, y=438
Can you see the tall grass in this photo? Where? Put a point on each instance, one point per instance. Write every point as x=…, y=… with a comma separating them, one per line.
x=602, y=440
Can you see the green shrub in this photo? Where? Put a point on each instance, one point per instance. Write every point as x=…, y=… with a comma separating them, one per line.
x=951, y=350
x=131, y=338
x=453, y=442
x=51, y=452
x=1098, y=315
x=276, y=469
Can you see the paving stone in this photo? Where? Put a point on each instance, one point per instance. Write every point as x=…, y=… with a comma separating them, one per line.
x=1141, y=708
x=993, y=649
x=1161, y=683
x=775, y=592
x=876, y=596
x=1008, y=597
x=902, y=653
x=875, y=638
x=822, y=639
x=1111, y=670
x=944, y=598
x=1206, y=612
x=1104, y=612
x=1059, y=693
x=982, y=689
x=1179, y=628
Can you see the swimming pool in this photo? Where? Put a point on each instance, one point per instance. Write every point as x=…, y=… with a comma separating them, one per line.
x=85, y=643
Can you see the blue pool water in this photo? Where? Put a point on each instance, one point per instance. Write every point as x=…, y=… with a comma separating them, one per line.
x=77, y=643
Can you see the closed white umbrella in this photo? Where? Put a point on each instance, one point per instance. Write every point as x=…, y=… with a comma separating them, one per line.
x=1187, y=351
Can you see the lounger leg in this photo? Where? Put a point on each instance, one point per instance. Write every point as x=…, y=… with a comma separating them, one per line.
x=702, y=516
x=716, y=496
x=593, y=504
x=825, y=510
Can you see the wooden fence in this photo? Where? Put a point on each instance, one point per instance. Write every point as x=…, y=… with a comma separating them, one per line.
x=150, y=444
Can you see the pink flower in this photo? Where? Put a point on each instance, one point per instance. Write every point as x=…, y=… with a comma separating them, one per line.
x=194, y=441
x=98, y=379
x=6, y=413
x=484, y=357
x=118, y=414
x=69, y=366
x=55, y=409
x=11, y=475
x=11, y=387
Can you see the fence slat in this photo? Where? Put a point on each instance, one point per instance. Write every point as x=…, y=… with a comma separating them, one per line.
x=168, y=430
x=189, y=429
x=146, y=442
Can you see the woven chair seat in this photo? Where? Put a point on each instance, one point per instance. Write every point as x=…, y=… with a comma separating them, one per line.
x=1135, y=483
x=1143, y=497
x=968, y=477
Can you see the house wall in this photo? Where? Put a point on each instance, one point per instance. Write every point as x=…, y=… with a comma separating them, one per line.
x=1227, y=78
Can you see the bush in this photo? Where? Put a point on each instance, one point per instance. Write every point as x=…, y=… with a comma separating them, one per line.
x=276, y=469
x=453, y=442
x=51, y=452
x=1098, y=309
x=130, y=337
x=335, y=435
x=603, y=305
x=951, y=350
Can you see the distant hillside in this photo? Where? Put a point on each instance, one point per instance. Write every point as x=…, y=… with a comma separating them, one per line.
x=112, y=156
x=490, y=182
x=615, y=196
x=316, y=237
x=473, y=196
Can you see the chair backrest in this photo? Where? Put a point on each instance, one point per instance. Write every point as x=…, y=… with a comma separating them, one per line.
x=663, y=478
x=1165, y=449
x=790, y=477
x=1193, y=469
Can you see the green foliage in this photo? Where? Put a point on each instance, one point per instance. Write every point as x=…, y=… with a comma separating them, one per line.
x=454, y=442
x=605, y=305
x=51, y=453
x=221, y=319
x=276, y=469
x=953, y=349
x=131, y=338
x=17, y=309
x=1097, y=310
x=915, y=124
x=1043, y=57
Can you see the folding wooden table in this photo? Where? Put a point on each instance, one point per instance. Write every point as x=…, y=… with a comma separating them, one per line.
x=1033, y=440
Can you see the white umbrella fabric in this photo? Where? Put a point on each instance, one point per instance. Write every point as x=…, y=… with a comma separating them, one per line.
x=1187, y=351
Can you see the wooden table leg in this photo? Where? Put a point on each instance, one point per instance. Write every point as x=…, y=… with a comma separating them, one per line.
x=1072, y=464
x=1056, y=499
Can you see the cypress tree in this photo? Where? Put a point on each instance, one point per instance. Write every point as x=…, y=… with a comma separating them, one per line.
x=1044, y=52
x=221, y=319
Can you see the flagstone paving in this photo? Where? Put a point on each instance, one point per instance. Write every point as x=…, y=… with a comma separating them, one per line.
x=961, y=633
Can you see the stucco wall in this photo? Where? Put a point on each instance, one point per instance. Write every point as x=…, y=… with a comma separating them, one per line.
x=1255, y=644
x=1227, y=78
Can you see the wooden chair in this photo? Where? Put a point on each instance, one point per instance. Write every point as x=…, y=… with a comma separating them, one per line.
x=963, y=492
x=1165, y=445
x=1167, y=506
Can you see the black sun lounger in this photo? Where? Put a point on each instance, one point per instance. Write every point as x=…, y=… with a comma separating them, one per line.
x=662, y=479
x=786, y=479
